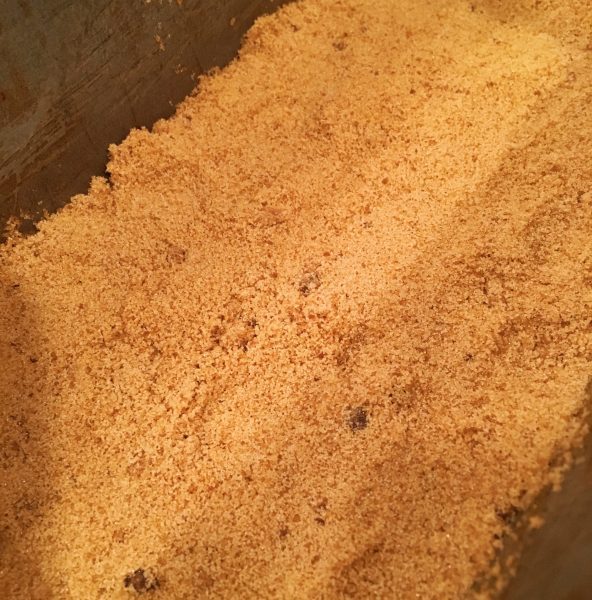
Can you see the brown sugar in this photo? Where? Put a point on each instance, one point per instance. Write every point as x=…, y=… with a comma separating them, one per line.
x=326, y=332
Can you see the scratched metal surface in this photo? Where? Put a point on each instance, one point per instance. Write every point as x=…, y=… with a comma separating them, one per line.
x=557, y=560
x=76, y=76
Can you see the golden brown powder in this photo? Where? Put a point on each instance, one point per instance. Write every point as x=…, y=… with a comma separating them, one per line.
x=325, y=332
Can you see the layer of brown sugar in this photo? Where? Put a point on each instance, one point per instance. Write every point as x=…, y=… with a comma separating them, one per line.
x=322, y=331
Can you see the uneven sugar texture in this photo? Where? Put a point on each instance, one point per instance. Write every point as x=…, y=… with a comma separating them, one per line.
x=324, y=332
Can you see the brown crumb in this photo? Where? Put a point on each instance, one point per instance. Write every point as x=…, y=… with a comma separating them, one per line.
x=358, y=419
x=309, y=283
x=141, y=581
x=509, y=515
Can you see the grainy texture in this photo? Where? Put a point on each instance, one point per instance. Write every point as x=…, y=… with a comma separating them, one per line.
x=76, y=76
x=325, y=332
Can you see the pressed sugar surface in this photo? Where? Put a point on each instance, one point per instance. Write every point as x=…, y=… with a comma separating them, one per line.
x=322, y=334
